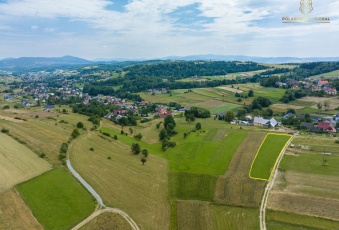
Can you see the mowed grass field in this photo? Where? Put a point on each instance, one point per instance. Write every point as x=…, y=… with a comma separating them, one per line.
x=235, y=187
x=209, y=216
x=15, y=214
x=305, y=186
x=18, y=163
x=45, y=134
x=267, y=155
x=122, y=181
x=57, y=200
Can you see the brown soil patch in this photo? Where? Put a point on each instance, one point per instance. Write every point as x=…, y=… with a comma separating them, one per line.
x=15, y=214
x=193, y=215
x=210, y=104
x=108, y=221
x=286, y=106
x=236, y=187
x=233, y=90
x=305, y=205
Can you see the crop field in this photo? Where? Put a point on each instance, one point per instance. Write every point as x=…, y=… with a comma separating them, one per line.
x=235, y=187
x=57, y=200
x=18, y=163
x=333, y=74
x=191, y=186
x=284, y=220
x=267, y=156
x=107, y=221
x=208, y=156
x=122, y=181
x=15, y=214
x=204, y=215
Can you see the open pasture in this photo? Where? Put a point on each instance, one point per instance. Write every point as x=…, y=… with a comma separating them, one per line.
x=18, y=163
x=209, y=216
x=329, y=75
x=267, y=155
x=277, y=220
x=122, y=181
x=57, y=200
x=15, y=214
x=235, y=187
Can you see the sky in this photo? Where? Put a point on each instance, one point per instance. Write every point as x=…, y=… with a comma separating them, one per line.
x=147, y=29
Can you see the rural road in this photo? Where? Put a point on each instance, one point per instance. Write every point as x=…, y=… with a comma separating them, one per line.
x=268, y=188
x=96, y=195
x=113, y=210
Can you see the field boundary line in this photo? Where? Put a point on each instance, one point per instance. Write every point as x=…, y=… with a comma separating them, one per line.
x=262, y=212
x=275, y=163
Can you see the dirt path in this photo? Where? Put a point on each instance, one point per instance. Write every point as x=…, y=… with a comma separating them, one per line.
x=114, y=210
x=268, y=188
x=95, y=194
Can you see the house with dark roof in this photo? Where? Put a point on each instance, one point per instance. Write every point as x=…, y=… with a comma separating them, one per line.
x=49, y=107
x=310, y=127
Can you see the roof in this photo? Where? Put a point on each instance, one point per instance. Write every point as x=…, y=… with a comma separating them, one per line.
x=327, y=127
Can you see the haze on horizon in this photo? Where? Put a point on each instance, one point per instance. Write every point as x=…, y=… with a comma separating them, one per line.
x=148, y=29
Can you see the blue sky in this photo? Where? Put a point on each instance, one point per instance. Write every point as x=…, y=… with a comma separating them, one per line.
x=158, y=28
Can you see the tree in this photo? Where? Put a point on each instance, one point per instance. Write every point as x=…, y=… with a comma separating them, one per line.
x=250, y=93
x=163, y=134
x=229, y=116
x=75, y=133
x=138, y=136
x=269, y=112
x=169, y=120
x=131, y=130
x=80, y=125
x=327, y=105
x=135, y=148
x=143, y=160
x=144, y=152
x=291, y=110
x=256, y=104
x=190, y=118
x=319, y=105
x=197, y=126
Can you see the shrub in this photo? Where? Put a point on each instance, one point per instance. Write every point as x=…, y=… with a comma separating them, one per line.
x=92, y=149
x=337, y=141
x=5, y=130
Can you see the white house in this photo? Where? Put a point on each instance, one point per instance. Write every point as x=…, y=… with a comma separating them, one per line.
x=265, y=122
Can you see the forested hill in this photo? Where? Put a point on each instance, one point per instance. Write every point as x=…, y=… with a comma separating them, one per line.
x=183, y=69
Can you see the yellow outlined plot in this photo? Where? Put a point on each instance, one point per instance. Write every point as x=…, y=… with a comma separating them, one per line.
x=267, y=156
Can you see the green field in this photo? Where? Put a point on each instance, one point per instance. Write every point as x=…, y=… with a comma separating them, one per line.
x=284, y=220
x=57, y=200
x=267, y=156
x=313, y=165
x=207, y=152
x=333, y=74
x=191, y=186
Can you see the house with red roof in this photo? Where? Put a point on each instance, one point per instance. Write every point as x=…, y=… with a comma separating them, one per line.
x=327, y=127
x=331, y=91
x=163, y=112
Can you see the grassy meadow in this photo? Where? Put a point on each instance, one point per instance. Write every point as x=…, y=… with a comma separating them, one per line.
x=57, y=200
x=18, y=163
x=267, y=156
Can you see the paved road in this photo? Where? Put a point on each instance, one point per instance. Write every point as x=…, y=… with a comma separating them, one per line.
x=268, y=188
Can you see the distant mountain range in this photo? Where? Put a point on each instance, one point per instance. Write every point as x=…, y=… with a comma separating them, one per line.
x=264, y=60
x=32, y=62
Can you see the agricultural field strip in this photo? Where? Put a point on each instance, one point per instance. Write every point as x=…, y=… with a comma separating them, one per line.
x=262, y=213
x=256, y=178
x=93, y=192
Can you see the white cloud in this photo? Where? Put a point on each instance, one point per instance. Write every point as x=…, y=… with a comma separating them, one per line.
x=34, y=27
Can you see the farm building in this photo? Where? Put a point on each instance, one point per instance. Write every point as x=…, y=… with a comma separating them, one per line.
x=265, y=122
x=49, y=107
